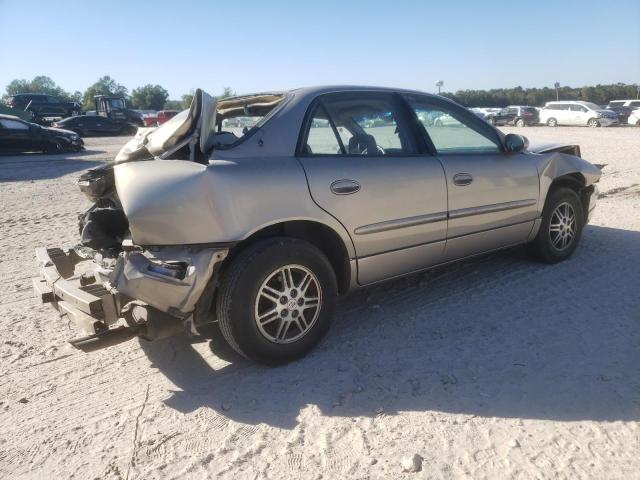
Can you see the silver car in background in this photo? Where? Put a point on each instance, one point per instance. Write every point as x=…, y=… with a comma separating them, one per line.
x=254, y=213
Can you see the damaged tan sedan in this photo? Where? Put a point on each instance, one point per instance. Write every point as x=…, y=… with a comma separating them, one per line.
x=254, y=213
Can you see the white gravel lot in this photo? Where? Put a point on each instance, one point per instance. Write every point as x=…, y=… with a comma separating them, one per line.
x=492, y=368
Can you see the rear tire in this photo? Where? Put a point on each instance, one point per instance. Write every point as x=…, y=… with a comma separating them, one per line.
x=561, y=227
x=266, y=310
x=552, y=122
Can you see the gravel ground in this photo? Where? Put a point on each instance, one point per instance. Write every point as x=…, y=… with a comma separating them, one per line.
x=491, y=368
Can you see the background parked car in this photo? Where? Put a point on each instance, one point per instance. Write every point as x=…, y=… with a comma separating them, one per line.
x=623, y=112
x=576, y=113
x=624, y=103
x=16, y=135
x=89, y=125
x=164, y=115
x=149, y=117
x=515, y=115
x=42, y=107
x=634, y=118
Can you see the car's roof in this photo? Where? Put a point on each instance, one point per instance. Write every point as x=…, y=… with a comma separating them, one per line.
x=322, y=89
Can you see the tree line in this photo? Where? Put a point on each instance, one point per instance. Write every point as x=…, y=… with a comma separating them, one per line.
x=155, y=97
x=145, y=97
x=501, y=97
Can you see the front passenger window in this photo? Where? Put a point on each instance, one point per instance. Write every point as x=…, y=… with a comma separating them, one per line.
x=450, y=132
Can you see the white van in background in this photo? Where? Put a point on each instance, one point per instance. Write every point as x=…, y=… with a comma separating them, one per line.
x=577, y=113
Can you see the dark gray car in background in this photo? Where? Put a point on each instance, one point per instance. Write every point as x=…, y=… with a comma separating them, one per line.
x=17, y=136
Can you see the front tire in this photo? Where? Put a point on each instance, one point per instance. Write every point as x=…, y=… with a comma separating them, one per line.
x=593, y=123
x=276, y=300
x=552, y=122
x=520, y=123
x=561, y=227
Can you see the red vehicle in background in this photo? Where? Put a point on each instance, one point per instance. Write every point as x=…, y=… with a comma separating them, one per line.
x=150, y=120
x=164, y=115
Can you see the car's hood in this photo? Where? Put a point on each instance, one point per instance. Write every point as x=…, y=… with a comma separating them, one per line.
x=193, y=128
x=543, y=147
x=60, y=131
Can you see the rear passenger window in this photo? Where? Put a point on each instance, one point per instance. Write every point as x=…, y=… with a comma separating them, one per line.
x=451, y=132
x=321, y=139
x=362, y=124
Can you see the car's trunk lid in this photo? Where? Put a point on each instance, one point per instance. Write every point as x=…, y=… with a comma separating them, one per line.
x=186, y=136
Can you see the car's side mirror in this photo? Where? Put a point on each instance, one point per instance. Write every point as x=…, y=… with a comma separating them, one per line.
x=515, y=143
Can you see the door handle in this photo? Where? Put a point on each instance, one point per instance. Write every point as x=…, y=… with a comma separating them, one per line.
x=462, y=179
x=345, y=187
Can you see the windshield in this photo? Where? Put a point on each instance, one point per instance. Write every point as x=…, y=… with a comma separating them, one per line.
x=592, y=106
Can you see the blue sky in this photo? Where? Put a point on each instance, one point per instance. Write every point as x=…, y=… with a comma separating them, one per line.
x=260, y=45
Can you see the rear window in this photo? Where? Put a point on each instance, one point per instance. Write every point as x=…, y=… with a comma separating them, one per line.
x=528, y=110
x=238, y=117
x=616, y=104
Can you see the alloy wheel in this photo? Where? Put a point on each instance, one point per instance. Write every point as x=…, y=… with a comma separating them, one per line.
x=288, y=304
x=563, y=226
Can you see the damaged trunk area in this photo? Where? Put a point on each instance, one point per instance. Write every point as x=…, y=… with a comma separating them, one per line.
x=104, y=226
x=115, y=290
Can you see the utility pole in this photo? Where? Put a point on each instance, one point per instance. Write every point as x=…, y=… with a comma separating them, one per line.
x=439, y=84
x=557, y=85
x=637, y=91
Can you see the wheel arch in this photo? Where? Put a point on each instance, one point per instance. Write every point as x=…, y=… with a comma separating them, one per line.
x=576, y=182
x=322, y=236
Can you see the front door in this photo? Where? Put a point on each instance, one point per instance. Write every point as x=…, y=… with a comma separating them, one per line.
x=493, y=195
x=361, y=161
x=15, y=135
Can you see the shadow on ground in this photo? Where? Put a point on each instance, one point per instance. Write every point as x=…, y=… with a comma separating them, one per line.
x=17, y=168
x=497, y=337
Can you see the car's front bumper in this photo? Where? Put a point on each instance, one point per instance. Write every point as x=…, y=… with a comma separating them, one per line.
x=607, y=122
x=167, y=282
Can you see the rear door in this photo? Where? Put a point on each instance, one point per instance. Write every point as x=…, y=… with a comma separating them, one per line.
x=492, y=195
x=359, y=152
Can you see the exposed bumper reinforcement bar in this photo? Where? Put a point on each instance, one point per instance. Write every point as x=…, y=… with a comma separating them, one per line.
x=141, y=290
x=92, y=307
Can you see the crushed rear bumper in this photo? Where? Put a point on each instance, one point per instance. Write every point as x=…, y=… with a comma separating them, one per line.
x=141, y=293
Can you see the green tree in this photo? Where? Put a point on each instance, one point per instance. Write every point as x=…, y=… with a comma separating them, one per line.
x=173, y=105
x=226, y=93
x=149, y=97
x=599, y=94
x=104, y=86
x=186, y=100
x=40, y=84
